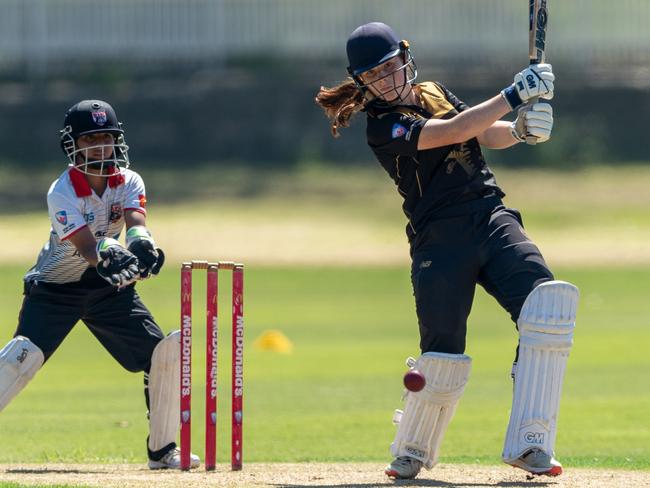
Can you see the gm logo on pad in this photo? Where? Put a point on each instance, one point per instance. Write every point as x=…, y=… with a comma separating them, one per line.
x=534, y=437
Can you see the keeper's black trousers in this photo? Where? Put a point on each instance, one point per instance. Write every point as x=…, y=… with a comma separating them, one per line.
x=481, y=242
x=118, y=319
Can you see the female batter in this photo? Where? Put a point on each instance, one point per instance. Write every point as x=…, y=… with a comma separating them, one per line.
x=84, y=273
x=461, y=234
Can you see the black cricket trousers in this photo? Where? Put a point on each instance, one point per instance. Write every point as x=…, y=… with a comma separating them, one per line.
x=481, y=242
x=118, y=319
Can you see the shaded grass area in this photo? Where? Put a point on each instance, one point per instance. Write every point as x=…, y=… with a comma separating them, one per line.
x=333, y=397
x=333, y=215
x=586, y=191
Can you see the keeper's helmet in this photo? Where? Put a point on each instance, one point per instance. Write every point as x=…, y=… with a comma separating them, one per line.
x=90, y=117
x=373, y=44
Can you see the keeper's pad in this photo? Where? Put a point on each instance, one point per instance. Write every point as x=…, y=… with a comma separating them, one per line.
x=546, y=324
x=427, y=413
x=164, y=392
x=20, y=359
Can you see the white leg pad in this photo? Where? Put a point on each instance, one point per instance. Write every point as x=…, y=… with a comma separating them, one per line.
x=164, y=392
x=428, y=412
x=546, y=325
x=20, y=359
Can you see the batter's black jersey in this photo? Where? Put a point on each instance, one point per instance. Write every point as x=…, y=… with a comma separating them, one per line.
x=435, y=178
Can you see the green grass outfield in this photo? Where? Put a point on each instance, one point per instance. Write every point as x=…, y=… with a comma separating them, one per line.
x=332, y=398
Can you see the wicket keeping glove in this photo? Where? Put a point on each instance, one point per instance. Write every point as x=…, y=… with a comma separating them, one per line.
x=532, y=82
x=116, y=264
x=533, y=120
x=142, y=245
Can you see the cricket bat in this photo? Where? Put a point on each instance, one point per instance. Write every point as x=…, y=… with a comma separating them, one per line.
x=537, y=22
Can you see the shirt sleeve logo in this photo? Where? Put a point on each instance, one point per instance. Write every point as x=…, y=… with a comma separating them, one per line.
x=143, y=200
x=398, y=130
x=61, y=217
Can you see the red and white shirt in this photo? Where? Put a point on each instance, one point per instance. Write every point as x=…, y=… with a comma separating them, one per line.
x=73, y=205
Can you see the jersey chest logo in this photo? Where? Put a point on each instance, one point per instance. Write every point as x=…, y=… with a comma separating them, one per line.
x=461, y=157
x=116, y=213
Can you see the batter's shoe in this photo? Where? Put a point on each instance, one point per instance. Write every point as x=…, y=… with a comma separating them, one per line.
x=539, y=463
x=403, y=468
x=172, y=460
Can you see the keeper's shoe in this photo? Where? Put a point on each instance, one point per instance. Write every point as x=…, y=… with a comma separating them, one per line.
x=403, y=468
x=172, y=460
x=537, y=462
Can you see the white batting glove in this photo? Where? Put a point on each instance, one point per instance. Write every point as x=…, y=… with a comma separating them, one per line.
x=534, y=81
x=533, y=120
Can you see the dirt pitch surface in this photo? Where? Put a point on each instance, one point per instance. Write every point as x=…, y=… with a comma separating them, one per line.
x=360, y=475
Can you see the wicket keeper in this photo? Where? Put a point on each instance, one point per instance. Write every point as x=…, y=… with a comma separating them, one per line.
x=84, y=273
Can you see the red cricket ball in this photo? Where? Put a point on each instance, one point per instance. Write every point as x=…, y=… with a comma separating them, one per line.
x=414, y=380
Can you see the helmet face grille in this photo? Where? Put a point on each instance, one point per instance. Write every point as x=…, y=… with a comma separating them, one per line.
x=114, y=157
x=399, y=87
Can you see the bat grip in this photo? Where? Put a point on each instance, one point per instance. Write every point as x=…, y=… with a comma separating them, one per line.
x=532, y=140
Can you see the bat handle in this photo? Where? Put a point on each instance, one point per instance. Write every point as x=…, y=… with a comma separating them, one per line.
x=532, y=140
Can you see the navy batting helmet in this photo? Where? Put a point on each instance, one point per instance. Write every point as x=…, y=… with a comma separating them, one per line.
x=89, y=117
x=373, y=44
